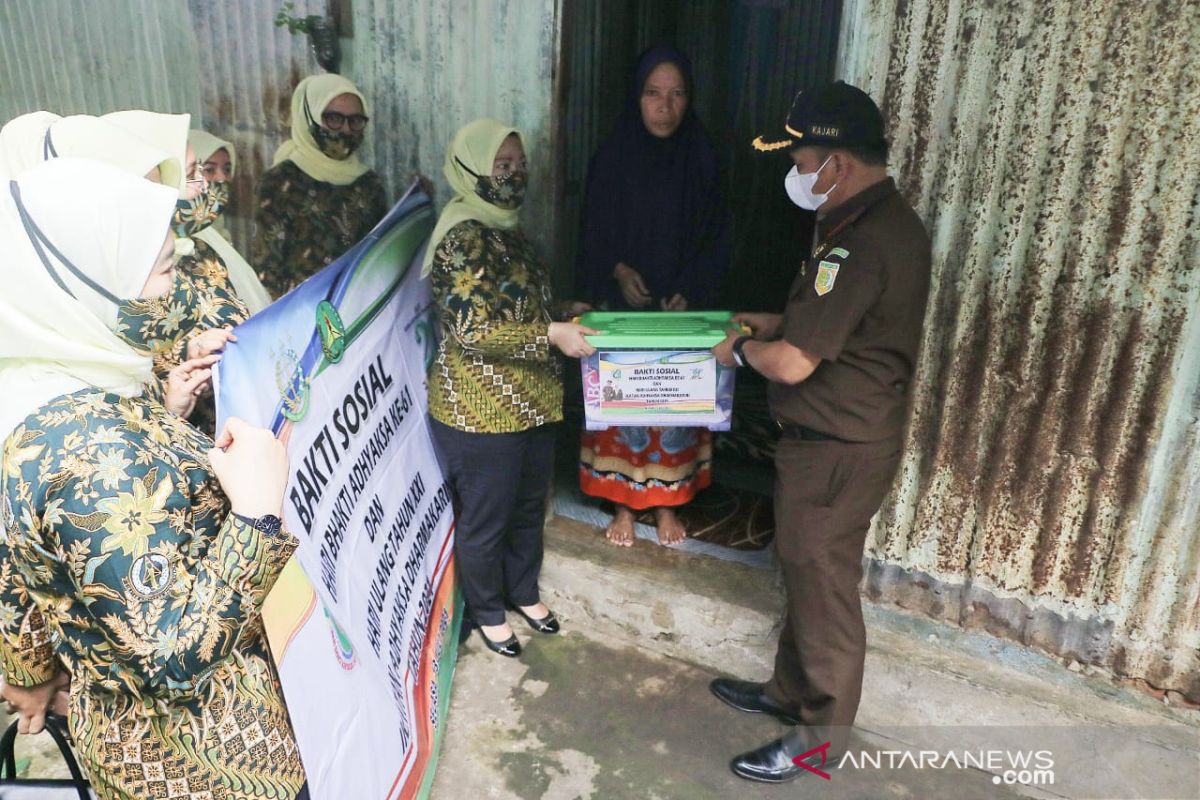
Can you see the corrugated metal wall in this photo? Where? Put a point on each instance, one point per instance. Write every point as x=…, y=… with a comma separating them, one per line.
x=1050, y=486
x=89, y=58
x=225, y=63
x=430, y=68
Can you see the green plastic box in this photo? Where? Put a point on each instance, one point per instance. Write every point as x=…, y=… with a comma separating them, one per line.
x=656, y=368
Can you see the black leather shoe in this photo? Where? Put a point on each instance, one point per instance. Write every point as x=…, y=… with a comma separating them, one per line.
x=510, y=647
x=546, y=624
x=772, y=763
x=751, y=697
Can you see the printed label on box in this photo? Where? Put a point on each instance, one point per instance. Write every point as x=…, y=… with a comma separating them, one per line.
x=635, y=384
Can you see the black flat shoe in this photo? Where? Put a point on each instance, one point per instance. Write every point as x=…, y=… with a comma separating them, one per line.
x=750, y=697
x=547, y=624
x=510, y=647
x=773, y=763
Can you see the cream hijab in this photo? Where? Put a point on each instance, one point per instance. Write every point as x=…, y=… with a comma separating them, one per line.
x=22, y=142
x=33, y=138
x=99, y=140
x=167, y=133
x=243, y=277
x=473, y=150
x=205, y=144
x=308, y=103
x=56, y=326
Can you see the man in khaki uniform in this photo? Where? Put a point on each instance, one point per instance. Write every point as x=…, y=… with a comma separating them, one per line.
x=840, y=359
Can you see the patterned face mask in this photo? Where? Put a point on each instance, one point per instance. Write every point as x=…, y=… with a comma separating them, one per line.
x=193, y=216
x=220, y=197
x=338, y=145
x=153, y=325
x=507, y=191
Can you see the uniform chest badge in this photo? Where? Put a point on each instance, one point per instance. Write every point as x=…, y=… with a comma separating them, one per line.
x=827, y=272
x=150, y=575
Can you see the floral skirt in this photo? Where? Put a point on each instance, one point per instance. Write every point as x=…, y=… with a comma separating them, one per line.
x=646, y=467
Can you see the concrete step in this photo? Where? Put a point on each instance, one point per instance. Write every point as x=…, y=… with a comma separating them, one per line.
x=927, y=685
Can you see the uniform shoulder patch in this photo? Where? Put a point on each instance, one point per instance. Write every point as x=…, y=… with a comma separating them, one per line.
x=827, y=272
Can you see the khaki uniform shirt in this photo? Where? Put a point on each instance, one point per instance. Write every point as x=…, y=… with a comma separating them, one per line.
x=858, y=304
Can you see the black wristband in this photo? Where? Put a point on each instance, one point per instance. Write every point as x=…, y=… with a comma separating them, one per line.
x=739, y=352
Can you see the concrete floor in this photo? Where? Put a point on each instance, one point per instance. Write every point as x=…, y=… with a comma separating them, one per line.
x=618, y=707
x=581, y=717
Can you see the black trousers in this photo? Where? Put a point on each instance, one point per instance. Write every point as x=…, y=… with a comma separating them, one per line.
x=825, y=495
x=500, y=482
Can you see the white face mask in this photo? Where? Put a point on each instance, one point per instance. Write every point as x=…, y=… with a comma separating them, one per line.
x=799, y=187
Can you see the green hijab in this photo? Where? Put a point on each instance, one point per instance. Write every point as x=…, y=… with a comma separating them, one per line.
x=472, y=151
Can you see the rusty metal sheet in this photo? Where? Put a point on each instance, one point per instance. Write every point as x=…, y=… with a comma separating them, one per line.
x=1048, y=491
x=224, y=63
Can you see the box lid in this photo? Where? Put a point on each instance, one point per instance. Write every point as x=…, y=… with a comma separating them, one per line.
x=657, y=330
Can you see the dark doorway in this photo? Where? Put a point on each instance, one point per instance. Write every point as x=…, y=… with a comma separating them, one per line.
x=750, y=57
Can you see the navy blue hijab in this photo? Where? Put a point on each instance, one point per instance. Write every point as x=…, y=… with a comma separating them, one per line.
x=654, y=204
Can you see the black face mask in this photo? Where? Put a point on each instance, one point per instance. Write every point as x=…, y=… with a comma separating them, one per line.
x=507, y=191
x=338, y=145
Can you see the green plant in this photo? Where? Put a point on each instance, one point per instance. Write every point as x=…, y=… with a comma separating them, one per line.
x=284, y=19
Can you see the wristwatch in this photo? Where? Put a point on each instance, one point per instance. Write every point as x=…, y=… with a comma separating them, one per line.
x=269, y=524
x=739, y=354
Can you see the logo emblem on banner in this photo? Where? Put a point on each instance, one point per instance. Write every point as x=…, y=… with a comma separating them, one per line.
x=826, y=275
x=292, y=385
x=332, y=331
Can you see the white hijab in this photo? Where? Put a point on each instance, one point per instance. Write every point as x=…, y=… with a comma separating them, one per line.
x=98, y=139
x=33, y=138
x=22, y=141
x=54, y=341
x=164, y=132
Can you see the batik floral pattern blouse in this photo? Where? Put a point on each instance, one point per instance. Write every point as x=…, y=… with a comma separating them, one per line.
x=121, y=561
x=302, y=224
x=494, y=371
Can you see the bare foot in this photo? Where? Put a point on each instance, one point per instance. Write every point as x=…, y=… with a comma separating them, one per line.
x=670, y=529
x=497, y=633
x=620, y=530
x=538, y=611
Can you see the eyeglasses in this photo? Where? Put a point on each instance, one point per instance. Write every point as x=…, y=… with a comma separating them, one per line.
x=334, y=120
x=197, y=174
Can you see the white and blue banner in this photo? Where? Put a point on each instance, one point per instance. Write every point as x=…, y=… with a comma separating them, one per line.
x=364, y=621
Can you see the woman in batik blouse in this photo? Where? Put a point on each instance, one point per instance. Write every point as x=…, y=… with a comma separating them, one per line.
x=495, y=386
x=195, y=319
x=197, y=208
x=192, y=320
x=135, y=555
x=318, y=199
x=217, y=157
